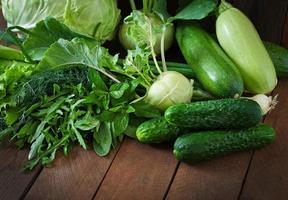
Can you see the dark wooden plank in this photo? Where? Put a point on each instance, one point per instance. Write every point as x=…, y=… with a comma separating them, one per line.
x=13, y=181
x=267, y=177
x=74, y=177
x=217, y=179
x=139, y=171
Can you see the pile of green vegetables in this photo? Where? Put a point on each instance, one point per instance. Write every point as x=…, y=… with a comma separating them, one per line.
x=61, y=85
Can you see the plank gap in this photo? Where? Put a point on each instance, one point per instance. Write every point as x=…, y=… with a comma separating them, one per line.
x=172, y=179
x=246, y=174
x=31, y=183
x=108, y=169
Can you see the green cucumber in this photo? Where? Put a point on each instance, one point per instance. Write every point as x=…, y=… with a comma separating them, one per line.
x=279, y=56
x=215, y=114
x=201, y=146
x=156, y=131
x=213, y=68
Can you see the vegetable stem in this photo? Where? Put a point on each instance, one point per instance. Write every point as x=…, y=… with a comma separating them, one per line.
x=152, y=47
x=163, y=49
x=18, y=43
x=132, y=4
x=98, y=69
x=224, y=5
x=144, y=78
x=108, y=75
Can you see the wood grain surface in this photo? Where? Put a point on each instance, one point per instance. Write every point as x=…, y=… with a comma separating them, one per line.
x=75, y=177
x=139, y=172
x=14, y=183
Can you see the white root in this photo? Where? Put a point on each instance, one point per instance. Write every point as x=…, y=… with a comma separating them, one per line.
x=266, y=103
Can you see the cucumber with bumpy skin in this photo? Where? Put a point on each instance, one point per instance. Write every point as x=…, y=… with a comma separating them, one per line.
x=215, y=114
x=156, y=131
x=206, y=145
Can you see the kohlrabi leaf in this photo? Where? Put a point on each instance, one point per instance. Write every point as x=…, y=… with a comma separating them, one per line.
x=44, y=34
x=81, y=52
x=160, y=8
x=137, y=64
x=196, y=10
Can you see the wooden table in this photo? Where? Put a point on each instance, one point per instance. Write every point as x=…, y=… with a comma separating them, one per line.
x=137, y=171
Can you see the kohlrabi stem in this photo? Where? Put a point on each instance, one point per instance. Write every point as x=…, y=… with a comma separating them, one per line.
x=163, y=48
x=145, y=79
x=132, y=4
x=105, y=73
x=18, y=42
x=148, y=6
x=109, y=75
x=152, y=47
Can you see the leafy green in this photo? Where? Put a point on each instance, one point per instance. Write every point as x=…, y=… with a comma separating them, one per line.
x=196, y=10
x=44, y=35
x=10, y=53
x=26, y=13
x=81, y=52
x=3, y=124
x=11, y=73
x=160, y=8
x=32, y=88
x=103, y=139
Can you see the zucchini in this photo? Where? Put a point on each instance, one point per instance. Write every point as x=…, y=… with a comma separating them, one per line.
x=279, y=56
x=157, y=130
x=213, y=68
x=240, y=40
x=215, y=114
x=201, y=146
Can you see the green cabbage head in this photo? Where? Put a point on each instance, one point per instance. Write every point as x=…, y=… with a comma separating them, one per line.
x=26, y=13
x=94, y=18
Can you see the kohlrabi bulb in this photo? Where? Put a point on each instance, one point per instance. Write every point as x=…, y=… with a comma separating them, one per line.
x=170, y=88
x=136, y=33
